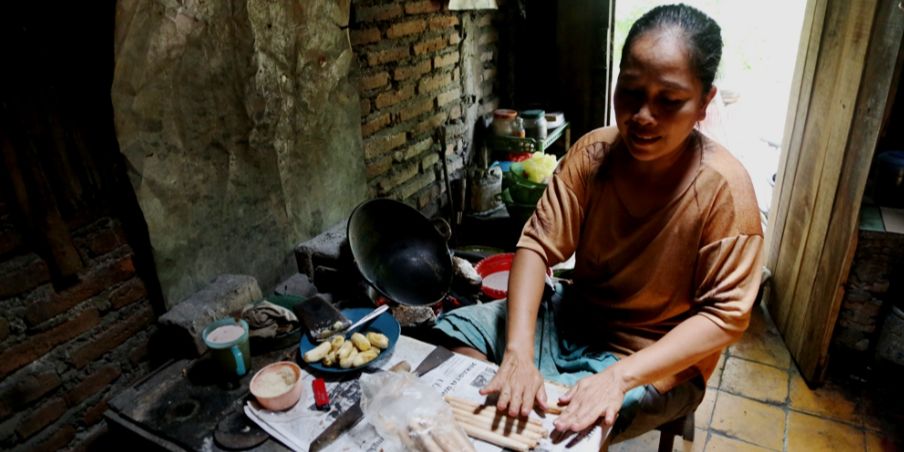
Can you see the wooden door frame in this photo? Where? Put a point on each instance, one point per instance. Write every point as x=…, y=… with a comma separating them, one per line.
x=846, y=62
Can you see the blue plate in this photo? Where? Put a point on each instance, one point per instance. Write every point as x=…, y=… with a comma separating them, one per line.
x=385, y=324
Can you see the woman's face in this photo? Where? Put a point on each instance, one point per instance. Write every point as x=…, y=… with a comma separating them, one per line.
x=658, y=98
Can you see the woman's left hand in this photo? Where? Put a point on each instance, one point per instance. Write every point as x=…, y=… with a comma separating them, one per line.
x=593, y=397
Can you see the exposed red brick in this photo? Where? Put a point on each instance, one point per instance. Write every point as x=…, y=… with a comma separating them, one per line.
x=91, y=385
x=416, y=70
x=412, y=151
x=36, y=346
x=410, y=27
x=399, y=176
x=376, y=13
x=374, y=125
x=416, y=109
x=4, y=329
x=377, y=146
x=388, y=98
x=369, y=82
x=91, y=284
x=128, y=293
x=95, y=413
x=433, y=83
x=103, y=241
x=423, y=7
x=58, y=440
x=430, y=45
x=455, y=112
x=448, y=96
x=414, y=185
x=378, y=167
x=365, y=36
x=445, y=60
x=113, y=337
x=430, y=124
x=441, y=22
x=454, y=38
x=28, y=388
x=21, y=274
x=387, y=55
x=40, y=418
x=365, y=107
x=428, y=161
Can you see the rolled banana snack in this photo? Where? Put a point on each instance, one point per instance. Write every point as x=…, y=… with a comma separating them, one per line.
x=365, y=357
x=378, y=340
x=360, y=342
x=317, y=353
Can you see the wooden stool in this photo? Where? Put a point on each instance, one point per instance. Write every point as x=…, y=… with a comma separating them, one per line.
x=683, y=426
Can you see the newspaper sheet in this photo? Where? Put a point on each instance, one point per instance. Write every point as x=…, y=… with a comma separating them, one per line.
x=460, y=376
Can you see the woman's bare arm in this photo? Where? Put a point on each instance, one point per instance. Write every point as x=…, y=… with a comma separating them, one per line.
x=518, y=381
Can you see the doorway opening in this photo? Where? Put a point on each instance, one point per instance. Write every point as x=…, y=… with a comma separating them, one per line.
x=748, y=114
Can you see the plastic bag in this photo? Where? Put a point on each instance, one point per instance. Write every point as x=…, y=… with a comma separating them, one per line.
x=409, y=414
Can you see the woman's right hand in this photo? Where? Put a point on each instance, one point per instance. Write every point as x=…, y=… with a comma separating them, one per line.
x=518, y=383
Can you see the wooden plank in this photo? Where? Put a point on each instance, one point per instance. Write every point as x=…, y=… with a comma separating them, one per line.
x=802, y=88
x=846, y=46
x=834, y=264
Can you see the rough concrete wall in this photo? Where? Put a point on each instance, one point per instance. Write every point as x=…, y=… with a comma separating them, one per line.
x=423, y=68
x=241, y=130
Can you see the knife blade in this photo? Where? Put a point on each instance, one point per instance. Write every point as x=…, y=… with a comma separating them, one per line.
x=353, y=415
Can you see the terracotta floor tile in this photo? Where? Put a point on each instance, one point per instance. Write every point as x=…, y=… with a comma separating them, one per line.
x=829, y=400
x=808, y=433
x=719, y=443
x=691, y=446
x=755, y=380
x=716, y=378
x=749, y=420
x=646, y=442
x=704, y=411
x=762, y=343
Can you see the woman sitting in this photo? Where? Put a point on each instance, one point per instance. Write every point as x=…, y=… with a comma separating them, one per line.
x=665, y=229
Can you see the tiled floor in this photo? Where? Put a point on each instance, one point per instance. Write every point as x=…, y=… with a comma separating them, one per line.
x=757, y=401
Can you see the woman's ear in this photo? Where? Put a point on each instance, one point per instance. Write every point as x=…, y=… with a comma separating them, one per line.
x=701, y=115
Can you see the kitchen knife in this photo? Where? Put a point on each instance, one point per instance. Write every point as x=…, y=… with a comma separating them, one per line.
x=350, y=417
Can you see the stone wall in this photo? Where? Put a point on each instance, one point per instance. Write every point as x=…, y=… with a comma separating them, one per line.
x=866, y=297
x=240, y=125
x=422, y=68
x=66, y=350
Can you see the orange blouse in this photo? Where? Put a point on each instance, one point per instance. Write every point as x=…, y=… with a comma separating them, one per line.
x=637, y=278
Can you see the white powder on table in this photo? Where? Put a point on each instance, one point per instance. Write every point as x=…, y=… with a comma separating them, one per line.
x=497, y=281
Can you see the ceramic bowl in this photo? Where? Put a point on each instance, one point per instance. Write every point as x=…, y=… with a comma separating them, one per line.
x=283, y=400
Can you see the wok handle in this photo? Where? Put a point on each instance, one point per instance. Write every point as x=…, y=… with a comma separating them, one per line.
x=443, y=227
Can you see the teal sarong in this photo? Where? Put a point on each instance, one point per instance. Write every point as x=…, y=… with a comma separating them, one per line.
x=559, y=359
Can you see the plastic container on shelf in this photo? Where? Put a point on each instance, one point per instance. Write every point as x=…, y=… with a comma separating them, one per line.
x=535, y=125
x=518, y=128
x=504, y=121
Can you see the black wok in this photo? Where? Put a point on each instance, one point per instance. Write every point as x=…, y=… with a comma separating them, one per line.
x=399, y=252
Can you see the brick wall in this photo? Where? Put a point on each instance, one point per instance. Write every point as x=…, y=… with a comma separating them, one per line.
x=64, y=351
x=421, y=68
x=866, y=296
